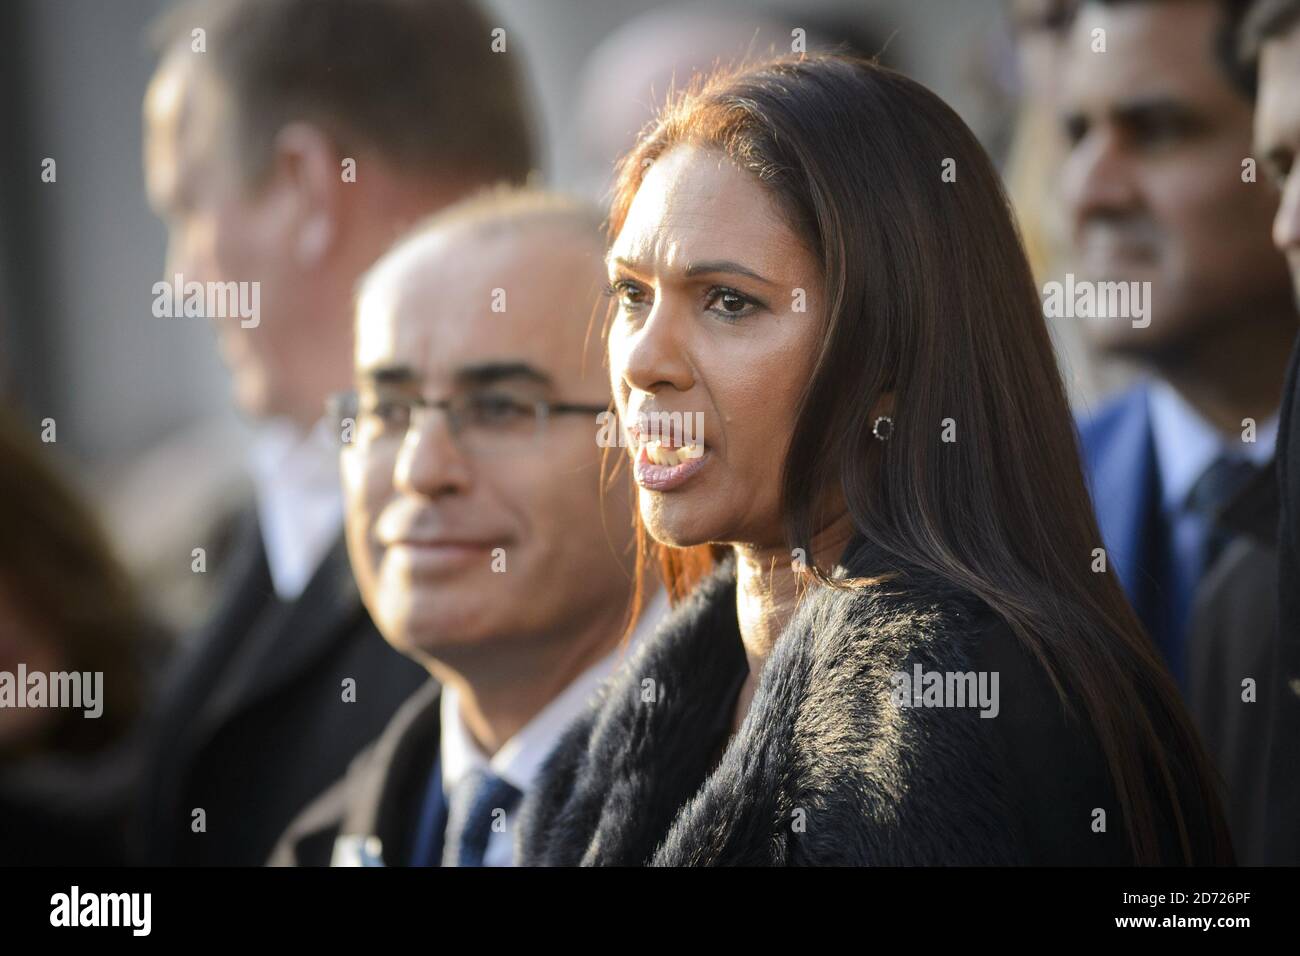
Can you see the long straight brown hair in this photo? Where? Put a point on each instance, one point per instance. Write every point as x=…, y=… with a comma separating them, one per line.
x=929, y=296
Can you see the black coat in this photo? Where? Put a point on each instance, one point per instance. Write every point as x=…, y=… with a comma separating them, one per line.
x=377, y=804
x=253, y=724
x=827, y=769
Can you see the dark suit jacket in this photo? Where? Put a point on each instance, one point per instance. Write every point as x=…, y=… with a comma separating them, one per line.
x=1119, y=460
x=1234, y=637
x=372, y=813
x=1284, y=756
x=252, y=724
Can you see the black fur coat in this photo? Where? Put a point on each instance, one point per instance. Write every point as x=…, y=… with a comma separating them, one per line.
x=829, y=767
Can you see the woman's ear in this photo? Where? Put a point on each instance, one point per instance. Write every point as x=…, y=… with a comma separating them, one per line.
x=307, y=170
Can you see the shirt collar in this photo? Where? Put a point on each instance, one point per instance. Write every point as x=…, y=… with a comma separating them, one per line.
x=1186, y=444
x=299, y=499
x=521, y=757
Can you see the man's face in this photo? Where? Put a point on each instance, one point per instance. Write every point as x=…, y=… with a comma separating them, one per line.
x=1153, y=181
x=1277, y=138
x=1041, y=28
x=499, y=534
x=217, y=230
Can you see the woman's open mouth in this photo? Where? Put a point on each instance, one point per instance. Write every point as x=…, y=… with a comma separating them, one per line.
x=659, y=467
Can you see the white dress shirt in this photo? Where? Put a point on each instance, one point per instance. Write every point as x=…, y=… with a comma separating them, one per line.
x=521, y=757
x=299, y=500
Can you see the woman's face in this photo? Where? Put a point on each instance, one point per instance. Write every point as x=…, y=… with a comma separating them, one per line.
x=719, y=309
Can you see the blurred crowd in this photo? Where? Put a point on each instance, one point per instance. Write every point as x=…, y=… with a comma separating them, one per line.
x=278, y=685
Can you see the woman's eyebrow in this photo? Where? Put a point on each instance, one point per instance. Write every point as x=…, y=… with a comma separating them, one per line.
x=707, y=267
x=719, y=266
x=622, y=263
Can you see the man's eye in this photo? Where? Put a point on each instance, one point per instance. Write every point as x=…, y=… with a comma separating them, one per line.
x=1161, y=130
x=498, y=410
x=1075, y=128
x=1278, y=169
x=388, y=412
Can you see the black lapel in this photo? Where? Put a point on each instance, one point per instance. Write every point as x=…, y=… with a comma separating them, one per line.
x=328, y=610
x=1155, y=560
x=193, y=679
x=390, y=791
x=244, y=594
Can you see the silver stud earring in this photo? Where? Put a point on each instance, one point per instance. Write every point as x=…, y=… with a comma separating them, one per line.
x=883, y=429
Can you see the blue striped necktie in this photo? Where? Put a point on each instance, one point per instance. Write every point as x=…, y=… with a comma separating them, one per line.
x=477, y=803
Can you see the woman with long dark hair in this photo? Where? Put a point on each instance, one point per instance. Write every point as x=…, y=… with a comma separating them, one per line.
x=897, y=641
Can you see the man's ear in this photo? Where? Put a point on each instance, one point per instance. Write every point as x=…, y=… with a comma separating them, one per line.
x=307, y=169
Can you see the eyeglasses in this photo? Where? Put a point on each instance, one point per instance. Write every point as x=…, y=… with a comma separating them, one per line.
x=484, y=423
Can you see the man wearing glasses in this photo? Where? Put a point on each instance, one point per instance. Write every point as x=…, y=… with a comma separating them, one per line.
x=485, y=543
x=285, y=155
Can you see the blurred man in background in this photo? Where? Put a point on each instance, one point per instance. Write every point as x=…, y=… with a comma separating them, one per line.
x=1273, y=33
x=1158, y=192
x=288, y=143
x=1041, y=33
x=1245, y=655
x=484, y=544
x=634, y=69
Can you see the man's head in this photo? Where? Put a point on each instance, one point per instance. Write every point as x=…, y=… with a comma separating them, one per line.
x=481, y=524
x=289, y=142
x=1159, y=127
x=1271, y=41
x=1042, y=28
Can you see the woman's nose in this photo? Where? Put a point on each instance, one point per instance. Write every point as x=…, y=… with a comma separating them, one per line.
x=654, y=355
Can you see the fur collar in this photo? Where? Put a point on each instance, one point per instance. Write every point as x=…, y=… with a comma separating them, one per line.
x=826, y=768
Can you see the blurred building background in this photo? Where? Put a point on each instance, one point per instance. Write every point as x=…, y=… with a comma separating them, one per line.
x=141, y=405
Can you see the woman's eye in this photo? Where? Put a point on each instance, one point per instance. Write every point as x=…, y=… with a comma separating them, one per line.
x=629, y=295
x=729, y=303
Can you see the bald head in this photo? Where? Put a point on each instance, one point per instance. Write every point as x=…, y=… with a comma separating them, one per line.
x=511, y=273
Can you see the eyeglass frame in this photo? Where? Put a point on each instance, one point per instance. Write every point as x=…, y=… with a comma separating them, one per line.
x=346, y=404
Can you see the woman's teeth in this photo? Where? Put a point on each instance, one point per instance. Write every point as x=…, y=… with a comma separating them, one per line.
x=661, y=454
